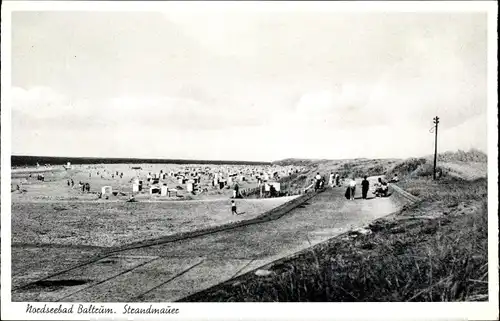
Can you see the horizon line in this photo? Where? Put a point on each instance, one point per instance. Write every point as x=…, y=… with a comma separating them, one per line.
x=140, y=159
x=192, y=160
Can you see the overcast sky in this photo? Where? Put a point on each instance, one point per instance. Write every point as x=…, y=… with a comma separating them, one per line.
x=247, y=86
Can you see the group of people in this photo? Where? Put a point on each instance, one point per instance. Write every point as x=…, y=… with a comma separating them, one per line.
x=381, y=188
x=85, y=187
x=117, y=174
x=39, y=177
x=319, y=182
x=334, y=180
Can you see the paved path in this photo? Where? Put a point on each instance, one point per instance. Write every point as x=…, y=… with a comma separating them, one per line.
x=171, y=271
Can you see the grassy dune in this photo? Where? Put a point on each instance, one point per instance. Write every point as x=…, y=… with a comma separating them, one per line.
x=345, y=168
x=469, y=165
x=434, y=250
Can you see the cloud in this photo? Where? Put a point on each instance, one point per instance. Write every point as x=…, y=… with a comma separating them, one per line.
x=282, y=83
x=175, y=113
x=472, y=133
x=337, y=106
x=411, y=92
x=438, y=76
x=43, y=107
x=40, y=108
x=43, y=99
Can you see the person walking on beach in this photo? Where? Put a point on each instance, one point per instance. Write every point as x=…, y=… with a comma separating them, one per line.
x=337, y=179
x=365, y=185
x=233, y=208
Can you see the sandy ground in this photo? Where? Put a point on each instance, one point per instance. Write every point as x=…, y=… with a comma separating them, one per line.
x=174, y=270
x=55, y=226
x=55, y=186
x=51, y=212
x=108, y=224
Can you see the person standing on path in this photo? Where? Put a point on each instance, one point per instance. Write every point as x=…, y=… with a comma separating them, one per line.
x=331, y=179
x=365, y=185
x=317, y=182
x=337, y=179
x=352, y=187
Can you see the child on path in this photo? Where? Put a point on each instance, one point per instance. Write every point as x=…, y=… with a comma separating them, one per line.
x=233, y=208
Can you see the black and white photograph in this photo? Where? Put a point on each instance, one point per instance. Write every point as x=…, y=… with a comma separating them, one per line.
x=166, y=156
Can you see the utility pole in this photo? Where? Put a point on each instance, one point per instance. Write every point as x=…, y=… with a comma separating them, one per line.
x=436, y=122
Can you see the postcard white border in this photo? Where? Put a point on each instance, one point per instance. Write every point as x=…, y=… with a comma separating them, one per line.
x=266, y=311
